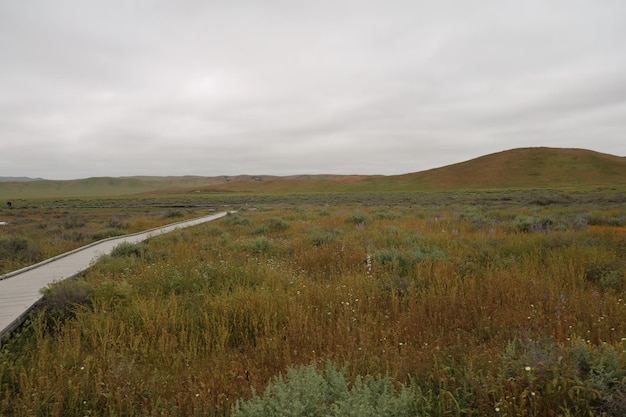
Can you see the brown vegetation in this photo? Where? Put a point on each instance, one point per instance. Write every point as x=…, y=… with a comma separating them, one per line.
x=482, y=309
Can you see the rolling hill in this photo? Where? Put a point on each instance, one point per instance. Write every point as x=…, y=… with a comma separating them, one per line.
x=522, y=168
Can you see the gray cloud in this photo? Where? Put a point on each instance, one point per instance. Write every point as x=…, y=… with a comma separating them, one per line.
x=278, y=87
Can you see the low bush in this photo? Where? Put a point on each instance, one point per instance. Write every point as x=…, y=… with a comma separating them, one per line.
x=319, y=237
x=277, y=224
x=272, y=225
x=137, y=250
x=13, y=246
x=387, y=215
x=19, y=248
x=74, y=221
x=108, y=232
x=237, y=220
x=61, y=298
x=581, y=378
x=308, y=391
x=260, y=245
x=174, y=214
x=358, y=217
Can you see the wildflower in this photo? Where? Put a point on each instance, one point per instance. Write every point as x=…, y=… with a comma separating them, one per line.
x=528, y=369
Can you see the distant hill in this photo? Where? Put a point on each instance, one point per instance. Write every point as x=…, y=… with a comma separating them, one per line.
x=523, y=168
x=550, y=168
x=18, y=179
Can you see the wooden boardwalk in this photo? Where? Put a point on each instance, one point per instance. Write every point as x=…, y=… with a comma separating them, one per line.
x=19, y=290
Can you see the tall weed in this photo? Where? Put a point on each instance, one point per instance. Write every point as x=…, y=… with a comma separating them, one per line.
x=462, y=315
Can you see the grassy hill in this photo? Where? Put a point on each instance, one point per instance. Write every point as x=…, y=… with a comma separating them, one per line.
x=521, y=168
x=513, y=169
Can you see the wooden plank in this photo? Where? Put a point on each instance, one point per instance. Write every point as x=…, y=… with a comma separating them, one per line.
x=20, y=290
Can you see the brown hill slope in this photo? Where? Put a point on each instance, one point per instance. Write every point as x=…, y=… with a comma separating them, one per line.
x=523, y=168
x=517, y=168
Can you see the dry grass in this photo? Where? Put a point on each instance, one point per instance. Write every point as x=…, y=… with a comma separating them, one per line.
x=34, y=234
x=456, y=301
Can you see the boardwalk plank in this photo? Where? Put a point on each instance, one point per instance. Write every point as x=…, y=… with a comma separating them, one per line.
x=20, y=290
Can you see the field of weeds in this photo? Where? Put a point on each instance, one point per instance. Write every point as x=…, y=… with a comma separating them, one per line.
x=422, y=308
x=35, y=233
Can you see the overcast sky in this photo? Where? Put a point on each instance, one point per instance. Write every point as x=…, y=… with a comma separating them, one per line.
x=116, y=88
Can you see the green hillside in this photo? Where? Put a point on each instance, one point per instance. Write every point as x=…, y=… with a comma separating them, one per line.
x=513, y=169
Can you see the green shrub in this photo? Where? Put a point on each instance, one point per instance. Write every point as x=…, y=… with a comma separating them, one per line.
x=212, y=230
x=594, y=374
x=126, y=249
x=307, y=391
x=108, y=232
x=324, y=211
x=605, y=373
x=614, y=280
x=112, y=291
x=173, y=214
x=225, y=239
x=273, y=224
x=237, y=220
x=74, y=221
x=76, y=236
x=261, y=229
x=617, y=221
x=116, y=223
x=404, y=260
x=387, y=256
x=319, y=237
x=260, y=245
x=527, y=224
x=475, y=218
x=609, y=275
x=13, y=245
x=19, y=247
x=60, y=298
x=276, y=224
x=358, y=217
x=387, y=215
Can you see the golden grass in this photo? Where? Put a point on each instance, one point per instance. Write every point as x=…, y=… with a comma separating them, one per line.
x=427, y=294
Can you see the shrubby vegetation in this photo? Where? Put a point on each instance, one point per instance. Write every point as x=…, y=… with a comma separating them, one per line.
x=35, y=234
x=412, y=307
x=16, y=251
x=307, y=391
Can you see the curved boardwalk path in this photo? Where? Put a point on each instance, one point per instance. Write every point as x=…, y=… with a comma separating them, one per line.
x=19, y=290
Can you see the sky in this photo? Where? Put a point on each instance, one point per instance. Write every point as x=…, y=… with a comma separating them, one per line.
x=283, y=87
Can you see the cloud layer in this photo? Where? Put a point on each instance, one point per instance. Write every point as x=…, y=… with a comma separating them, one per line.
x=281, y=87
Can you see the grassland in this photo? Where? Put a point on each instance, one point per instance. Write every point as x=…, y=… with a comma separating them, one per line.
x=477, y=303
x=524, y=168
x=38, y=231
x=491, y=287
